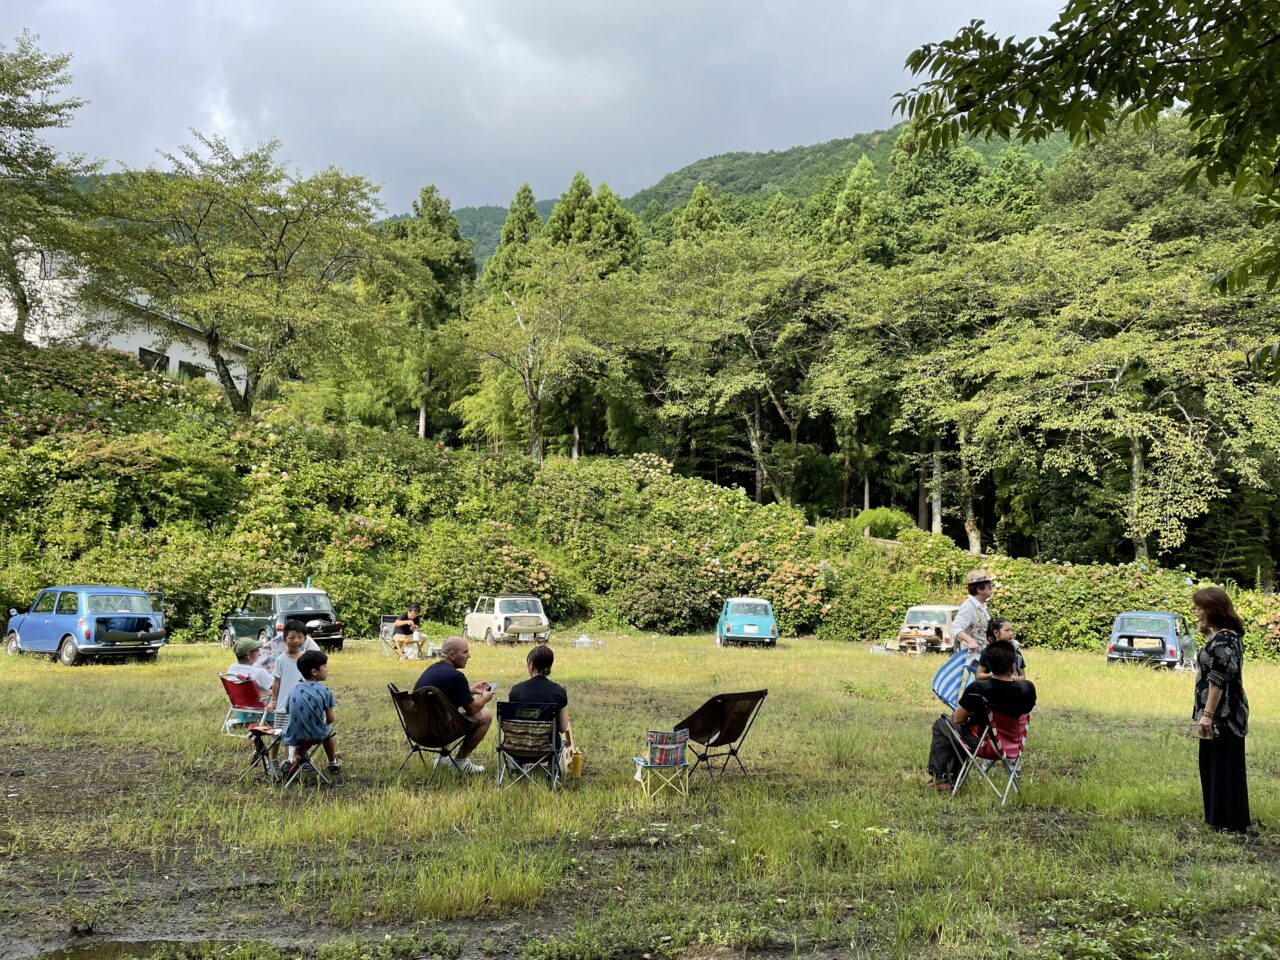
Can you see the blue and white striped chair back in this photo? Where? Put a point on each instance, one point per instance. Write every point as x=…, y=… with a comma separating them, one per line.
x=954, y=675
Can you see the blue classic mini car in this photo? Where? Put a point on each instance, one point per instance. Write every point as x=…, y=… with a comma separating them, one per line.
x=76, y=622
x=1152, y=637
x=746, y=620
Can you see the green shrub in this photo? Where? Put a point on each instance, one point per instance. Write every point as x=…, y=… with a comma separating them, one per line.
x=883, y=522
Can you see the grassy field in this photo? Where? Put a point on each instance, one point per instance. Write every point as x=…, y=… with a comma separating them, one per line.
x=119, y=815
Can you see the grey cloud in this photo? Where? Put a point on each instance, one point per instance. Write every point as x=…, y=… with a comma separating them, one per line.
x=477, y=96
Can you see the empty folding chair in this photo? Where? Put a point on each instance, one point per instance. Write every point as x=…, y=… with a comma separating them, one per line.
x=528, y=741
x=431, y=724
x=953, y=676
x=664, y=765
x=999, y=752
x=720, y=726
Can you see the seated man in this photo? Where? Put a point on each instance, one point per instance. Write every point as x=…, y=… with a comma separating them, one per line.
x=540, y=688
x=446, y=676
x=406, y=633
x=246, y=665
x=1002, y=692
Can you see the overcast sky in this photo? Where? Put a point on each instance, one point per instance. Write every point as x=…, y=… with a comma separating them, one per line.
x=478, y=96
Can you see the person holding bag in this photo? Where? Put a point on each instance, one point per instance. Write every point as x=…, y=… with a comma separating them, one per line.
x=1221, y=712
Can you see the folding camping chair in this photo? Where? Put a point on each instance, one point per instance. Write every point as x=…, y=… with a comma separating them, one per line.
x=722, y=722
x=953, y=676
x=528, y=741
x=664, y=765
x=247, y=706
x=1000, y=747
x=431, y=724
x=301, y=763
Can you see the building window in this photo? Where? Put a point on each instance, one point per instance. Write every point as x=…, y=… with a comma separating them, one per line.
x=192, y=370
x=151, y=360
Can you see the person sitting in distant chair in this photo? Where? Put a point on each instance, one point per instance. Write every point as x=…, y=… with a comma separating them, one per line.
x=407, y=632
x=471, y=700
x=540, y=688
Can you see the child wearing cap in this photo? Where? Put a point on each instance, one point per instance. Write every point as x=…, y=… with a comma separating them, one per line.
x=247, y=652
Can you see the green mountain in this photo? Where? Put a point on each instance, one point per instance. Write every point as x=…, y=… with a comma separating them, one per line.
x=797, y=172
x=482, y=225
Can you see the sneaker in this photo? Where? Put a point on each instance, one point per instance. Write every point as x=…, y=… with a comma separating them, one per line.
x=335, y=765
x=468, y=766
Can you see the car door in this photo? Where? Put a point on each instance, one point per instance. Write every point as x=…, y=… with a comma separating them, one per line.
x=471, y=623
x=65, y=614
x=724, y=616
x=38, y=625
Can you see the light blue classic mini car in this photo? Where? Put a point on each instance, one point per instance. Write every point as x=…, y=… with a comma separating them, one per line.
x=76, y=622
x=1153, y=637
x=746, y=620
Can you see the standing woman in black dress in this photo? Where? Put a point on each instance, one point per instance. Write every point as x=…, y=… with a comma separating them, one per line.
x=1222, y=712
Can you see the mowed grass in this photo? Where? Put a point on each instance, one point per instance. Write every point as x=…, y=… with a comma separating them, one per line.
x=126, y=812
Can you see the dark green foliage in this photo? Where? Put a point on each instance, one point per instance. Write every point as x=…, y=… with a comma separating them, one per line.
x=883, y=522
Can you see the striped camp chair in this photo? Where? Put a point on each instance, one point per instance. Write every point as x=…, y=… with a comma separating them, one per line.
x=664, y=765
x=953, y=676
x=999, y=752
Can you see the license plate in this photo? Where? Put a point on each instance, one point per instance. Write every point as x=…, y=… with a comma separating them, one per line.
x=750, y=628
x=524, y=637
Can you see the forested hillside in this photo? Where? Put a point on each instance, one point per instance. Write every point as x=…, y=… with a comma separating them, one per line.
x=115, y=475
x=798, y=172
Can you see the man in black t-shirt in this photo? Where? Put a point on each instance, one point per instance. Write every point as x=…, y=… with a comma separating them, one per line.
x=471, y=699
x=540, y=688
x=1000, y=692
x=409, y=622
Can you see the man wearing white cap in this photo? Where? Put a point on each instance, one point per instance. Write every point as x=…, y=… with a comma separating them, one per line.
x=970, y=624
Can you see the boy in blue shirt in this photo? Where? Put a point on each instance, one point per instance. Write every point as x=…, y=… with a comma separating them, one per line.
x=311, y=708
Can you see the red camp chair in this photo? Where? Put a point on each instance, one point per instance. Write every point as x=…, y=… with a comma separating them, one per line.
x=247, y=719
x=247, y=705
x=1000, y=747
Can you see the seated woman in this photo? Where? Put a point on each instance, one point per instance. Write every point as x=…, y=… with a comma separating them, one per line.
x=998, y=628
x=1002, y=691
x=539, y=688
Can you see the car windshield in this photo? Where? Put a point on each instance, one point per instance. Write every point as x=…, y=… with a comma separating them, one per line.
x=753, y=609
x=520, y=605
x=118, y=603
x=926, y=618
x=1157, y=625
x=289, y=602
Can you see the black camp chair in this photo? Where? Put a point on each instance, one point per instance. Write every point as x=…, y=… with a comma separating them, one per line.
x=431, y=724
x=720, y=726
x=528, y=741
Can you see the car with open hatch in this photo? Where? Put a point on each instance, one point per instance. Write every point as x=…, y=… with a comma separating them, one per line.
x=507, y=617
x=78, y=622
x=1153, y=637
x=746, y=620
x=263, y=613
x=926, y=628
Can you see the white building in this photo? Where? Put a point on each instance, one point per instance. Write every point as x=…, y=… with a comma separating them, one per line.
x=164, y=344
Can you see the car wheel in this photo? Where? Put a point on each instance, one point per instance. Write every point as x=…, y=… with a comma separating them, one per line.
x=228, y=639
x=262, y=637
x=68, y=652
x=149, y=657
x=11, y=645
x=488, y=637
